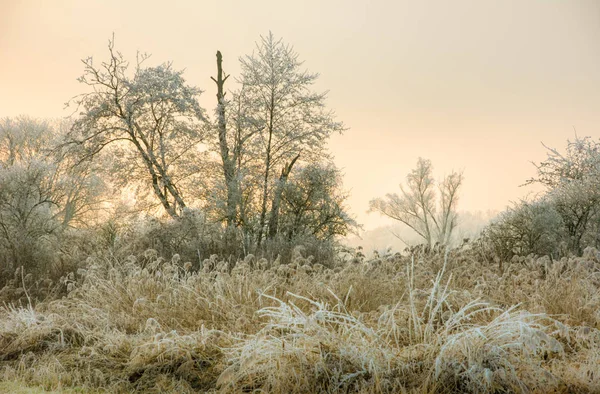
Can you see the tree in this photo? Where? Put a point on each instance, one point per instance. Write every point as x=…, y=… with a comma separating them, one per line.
x=448, y=217
x=289, y=119
x=23, y=139
x=40, y=194
x=572, y=182
x=314, y=204
x=30, y=206
x=277, y=195
x=152, y=121
x=235, y=131
x=228, y=160
x=417, y=206
x=580, y=162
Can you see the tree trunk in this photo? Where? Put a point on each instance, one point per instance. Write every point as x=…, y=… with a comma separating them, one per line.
x=157, y=179
x=228, y=163
x=274, y=218
x=263, y=210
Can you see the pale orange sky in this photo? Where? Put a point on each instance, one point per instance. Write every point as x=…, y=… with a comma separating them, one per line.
x=473, y=85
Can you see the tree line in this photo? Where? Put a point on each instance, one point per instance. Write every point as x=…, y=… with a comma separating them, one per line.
x=253, y=177
x=257, y=170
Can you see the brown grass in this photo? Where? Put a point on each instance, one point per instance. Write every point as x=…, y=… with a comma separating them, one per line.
x=442, y=324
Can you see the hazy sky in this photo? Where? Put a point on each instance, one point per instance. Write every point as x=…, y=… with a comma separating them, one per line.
x=473, y=85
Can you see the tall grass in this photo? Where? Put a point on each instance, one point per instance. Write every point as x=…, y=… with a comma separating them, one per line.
x=444, y=324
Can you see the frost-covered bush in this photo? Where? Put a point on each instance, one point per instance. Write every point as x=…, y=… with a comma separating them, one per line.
x=191, y=236
x=572, y=181
x=526, y=227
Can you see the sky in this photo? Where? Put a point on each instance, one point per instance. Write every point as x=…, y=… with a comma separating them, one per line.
x=472, y=85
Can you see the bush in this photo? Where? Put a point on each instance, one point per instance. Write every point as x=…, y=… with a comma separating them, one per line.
x=525, y=228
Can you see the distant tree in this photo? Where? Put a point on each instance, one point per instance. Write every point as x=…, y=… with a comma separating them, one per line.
x=151, y=120
x=290, y=120
x=23, y=139
x=418, y=206
x=447, y=220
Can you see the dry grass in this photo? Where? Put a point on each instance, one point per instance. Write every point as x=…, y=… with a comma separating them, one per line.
x=443, y=324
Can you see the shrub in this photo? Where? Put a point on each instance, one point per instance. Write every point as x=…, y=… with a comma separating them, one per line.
x=525, y=228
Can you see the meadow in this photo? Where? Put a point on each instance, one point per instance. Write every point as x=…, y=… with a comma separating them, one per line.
x=444, y=322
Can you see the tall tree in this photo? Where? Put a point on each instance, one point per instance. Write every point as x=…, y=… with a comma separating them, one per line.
x=227, y=159
x=151, y=120
x=292, y=119
x=231, y=199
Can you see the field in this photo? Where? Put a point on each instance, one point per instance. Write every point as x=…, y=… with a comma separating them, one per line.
x=442, y=323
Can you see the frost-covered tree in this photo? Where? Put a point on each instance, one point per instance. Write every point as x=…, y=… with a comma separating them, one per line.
x=580, y=162
x=152, y=122
x=429, y=210
x=235, y=130
x=314, y=204
x=228, y=158
x=23, y=139
x=41, y=195
x=572, y=181
x=290, y=120
x=30, y=206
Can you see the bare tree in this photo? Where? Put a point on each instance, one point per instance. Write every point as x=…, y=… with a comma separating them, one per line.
x=228, y=160
x=446, y=221
x=417, y=206
x=152, y=121
x=23, y=139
